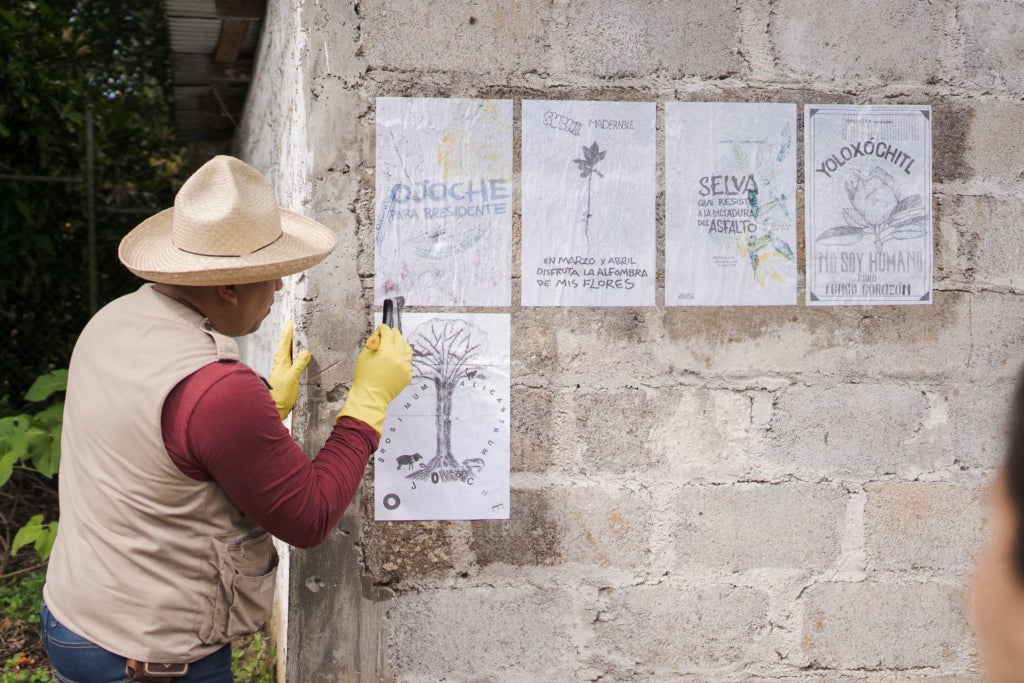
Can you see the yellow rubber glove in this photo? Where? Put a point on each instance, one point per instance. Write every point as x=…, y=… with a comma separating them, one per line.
x=284, y=375
x=383, y=369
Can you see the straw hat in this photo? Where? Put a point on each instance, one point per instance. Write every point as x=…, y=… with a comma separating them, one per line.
x=225, y=229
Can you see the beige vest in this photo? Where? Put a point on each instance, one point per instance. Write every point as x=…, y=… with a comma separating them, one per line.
x=148, y=563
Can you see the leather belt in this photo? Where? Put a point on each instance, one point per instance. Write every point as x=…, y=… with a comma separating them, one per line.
x=154, y=672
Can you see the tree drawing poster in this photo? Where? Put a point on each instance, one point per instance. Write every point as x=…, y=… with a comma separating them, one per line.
x=443, y=205
x=868, y=204
x=730, y=204
x=444, y=453
x=588, y=203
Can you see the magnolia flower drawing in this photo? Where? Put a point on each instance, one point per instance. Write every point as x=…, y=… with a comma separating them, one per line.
x=591, y=157
x=876, y=210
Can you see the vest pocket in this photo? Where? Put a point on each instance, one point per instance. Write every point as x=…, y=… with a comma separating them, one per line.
x=246, y=574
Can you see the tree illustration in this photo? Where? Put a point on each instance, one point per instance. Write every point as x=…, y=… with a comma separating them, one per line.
x=591, y=157
x=443, y=353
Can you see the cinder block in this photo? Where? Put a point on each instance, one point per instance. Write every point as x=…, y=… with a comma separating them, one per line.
x=707, y=432
x=520, y=633
x=992, y=43
x=884, y=625
x=528, y=537
x=849, y=429
x=457, y=37
x=603, y=526
x=923, y=525
x=606, y=347
x=952, y=121
x=666, y=628
x=994, y=152
x=533, y=429
x=983, y=228
x=857, y=341
x=612, y=428
x=396, y=551
x=980, y=414
x=534, y=346
x=671, y=38
x=996, y=327
x=891, y=40
x=748, y=526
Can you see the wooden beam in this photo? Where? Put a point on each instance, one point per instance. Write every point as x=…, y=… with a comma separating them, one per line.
x=232, y=35
x=241, y=9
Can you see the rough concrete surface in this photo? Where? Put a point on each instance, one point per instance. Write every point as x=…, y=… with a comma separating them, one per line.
x=716, y=494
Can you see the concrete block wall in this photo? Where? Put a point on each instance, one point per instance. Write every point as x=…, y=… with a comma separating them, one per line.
x=717, y=494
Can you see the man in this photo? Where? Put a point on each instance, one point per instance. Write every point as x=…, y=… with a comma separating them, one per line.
x=176, y=467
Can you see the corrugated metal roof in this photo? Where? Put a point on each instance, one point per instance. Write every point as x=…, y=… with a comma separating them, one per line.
x=196, y=32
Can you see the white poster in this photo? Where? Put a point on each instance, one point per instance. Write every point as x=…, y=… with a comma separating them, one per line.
x=730, y=204
x=444, y=201
x=588, y=203
x=445, y=449
x=868, y=204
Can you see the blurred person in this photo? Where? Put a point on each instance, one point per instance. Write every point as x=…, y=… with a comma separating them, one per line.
x=998, y=584
x=176, y=467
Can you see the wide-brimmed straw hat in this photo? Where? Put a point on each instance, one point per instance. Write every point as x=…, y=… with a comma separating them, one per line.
x=225, y=228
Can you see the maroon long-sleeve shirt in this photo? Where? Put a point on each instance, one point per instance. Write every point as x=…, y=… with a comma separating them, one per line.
x=220, y=424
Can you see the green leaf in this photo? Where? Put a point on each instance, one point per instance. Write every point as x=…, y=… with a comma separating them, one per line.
x=27, y=534
x=15, y=441
x=45, y=385
x=44, y=541
x=51, y=417
x=7, y=467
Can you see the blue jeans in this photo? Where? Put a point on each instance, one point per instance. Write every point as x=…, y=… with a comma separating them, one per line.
x=77, y=660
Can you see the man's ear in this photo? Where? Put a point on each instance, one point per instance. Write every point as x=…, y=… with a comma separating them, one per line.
x=228, y=294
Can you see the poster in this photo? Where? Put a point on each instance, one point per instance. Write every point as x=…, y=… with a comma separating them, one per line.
x=443, y=207
x=588, y=203
x=444, y=453
x=868, y=204
x=730, y=204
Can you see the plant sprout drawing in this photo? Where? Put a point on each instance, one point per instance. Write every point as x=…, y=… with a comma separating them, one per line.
x=444, y=352
x=764, y=252
x=591, y=157
x=763, y=169
x=767, y=250
x=876, y=210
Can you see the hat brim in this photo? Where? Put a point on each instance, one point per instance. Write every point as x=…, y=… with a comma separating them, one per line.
x=149, y=252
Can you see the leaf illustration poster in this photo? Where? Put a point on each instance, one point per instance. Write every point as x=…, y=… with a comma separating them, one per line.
x=443, y=207
x=445, y=449
x=730, y=204
x=588, y=203
x=868, y=204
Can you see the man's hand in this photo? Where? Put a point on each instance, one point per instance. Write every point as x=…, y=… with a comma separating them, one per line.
x=383, y=369
x=284, y=376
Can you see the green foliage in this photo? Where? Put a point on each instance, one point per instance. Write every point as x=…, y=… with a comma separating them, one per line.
x=21, y=596
x=40, y=535
x=58, y=59
x=23, y=659
x=31, y=441
x=18, y=669
x=253, y=660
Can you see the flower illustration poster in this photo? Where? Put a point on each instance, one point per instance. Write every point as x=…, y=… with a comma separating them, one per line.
x=588, y=203
x=443, y=206
x=730, y=204
x=868, y=204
